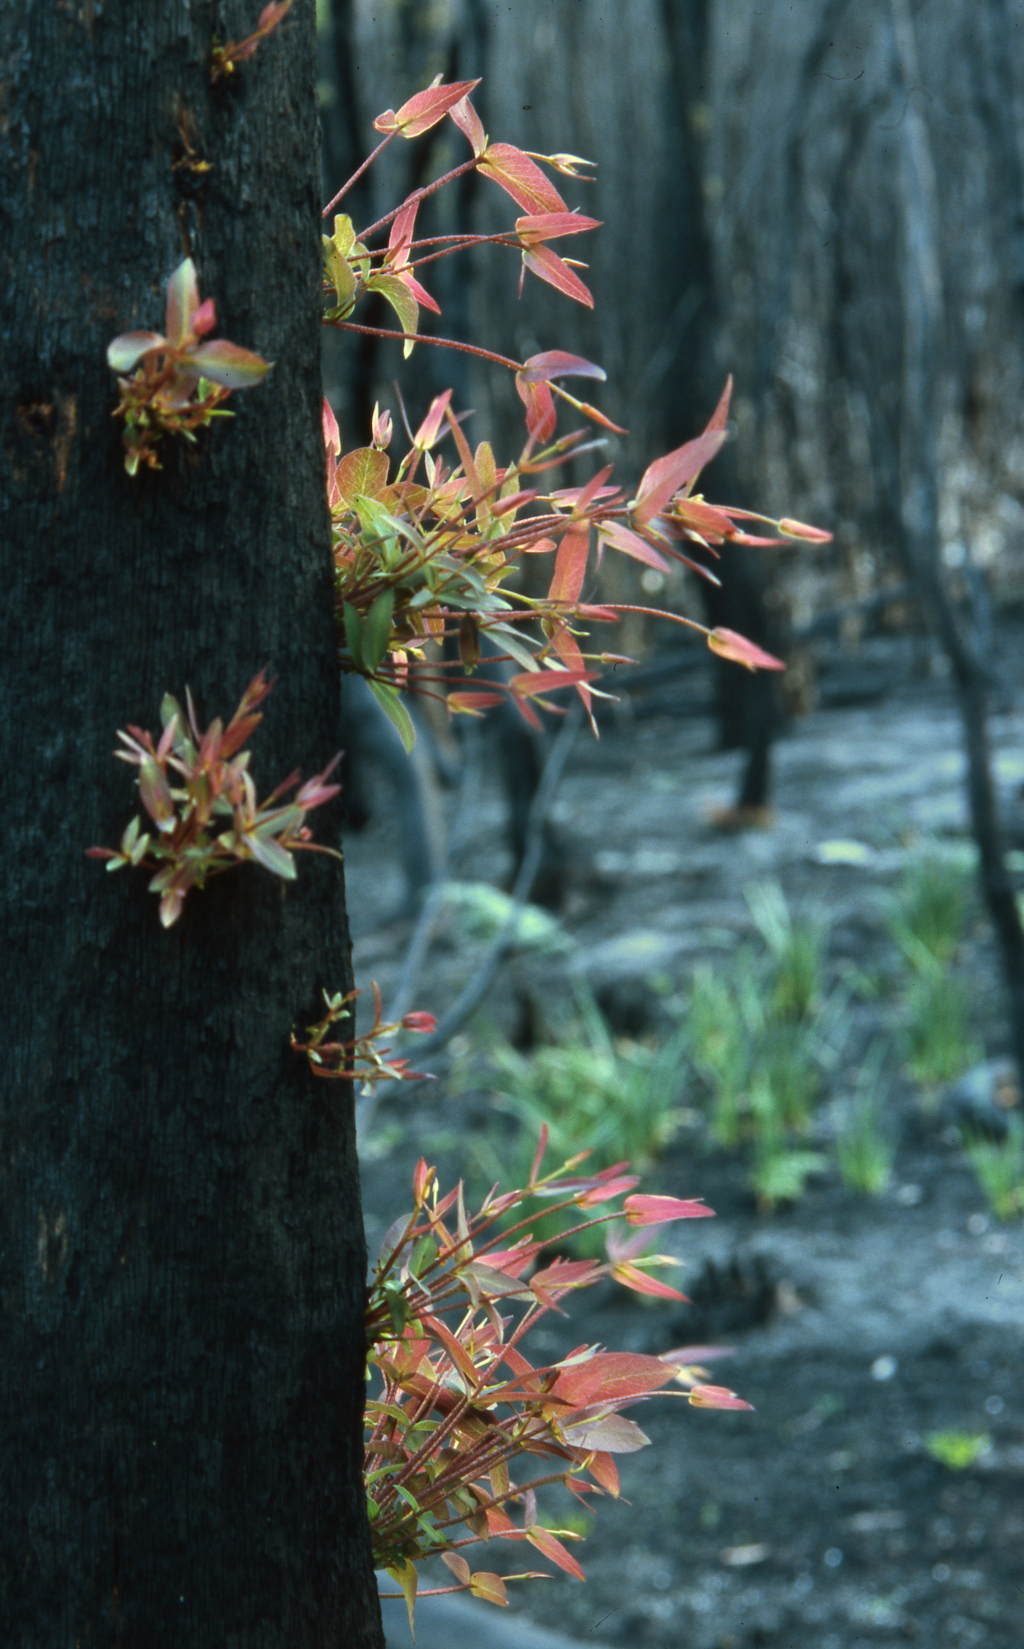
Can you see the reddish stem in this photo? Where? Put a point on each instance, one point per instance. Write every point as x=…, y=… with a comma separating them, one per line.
x=417, y=195
x=423, y=338
x=357, y=174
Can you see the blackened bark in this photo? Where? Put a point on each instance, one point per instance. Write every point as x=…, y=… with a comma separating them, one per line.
x=181, y=1252
x=923, y=326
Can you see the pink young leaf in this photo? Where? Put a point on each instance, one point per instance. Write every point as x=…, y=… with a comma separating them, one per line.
x=570, y=566
x=419, y=292
x=630, y=1276
x=581, y=497
x=719, y=416
x=182, y=303
x=428, y=431
x=272, y=14
x=227, y=365
x=538, y=227
x=552, y=1548
x=630, y=543
x=716, y=1397
x=650, y=1210
x=668, y=475
x=727, y=644
x=470, y=703
x=563, y=1274
x=548, y=266
x=611, y=1377
x=800, y=529
x=693, y=512
x=400, y=238
x=469, y=123
x=603, y=1470
x=419, y=1020
x=518, y=175
x=425, y=109
x=568, y=650
x=533, y=683
x=205, y=318
x=538, y=1155
x=684, y=1356
x=558, y=363
x=332, y=434
x=130, y=347
x=541, y=417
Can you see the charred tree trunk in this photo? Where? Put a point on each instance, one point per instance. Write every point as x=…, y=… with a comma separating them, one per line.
x=919, y=454
x=181, y=1254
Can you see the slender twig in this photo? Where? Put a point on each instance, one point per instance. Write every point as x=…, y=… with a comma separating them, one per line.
x=417, y=195
x=357, y=174
x=425, y=338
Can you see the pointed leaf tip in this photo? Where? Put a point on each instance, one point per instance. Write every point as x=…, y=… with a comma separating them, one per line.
x=727, y=644
x=182, y=302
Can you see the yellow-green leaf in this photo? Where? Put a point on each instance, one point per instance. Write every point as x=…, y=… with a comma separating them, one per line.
x=339, y=273
x=394, y=291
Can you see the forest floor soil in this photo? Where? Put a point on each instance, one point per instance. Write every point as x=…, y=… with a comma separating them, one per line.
x=860, y=1327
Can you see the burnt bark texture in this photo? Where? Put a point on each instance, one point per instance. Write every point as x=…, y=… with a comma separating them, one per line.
x=923, y=319
x=182, y=1263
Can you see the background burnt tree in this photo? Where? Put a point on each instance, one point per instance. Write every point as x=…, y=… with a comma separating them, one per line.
x=181, y=1251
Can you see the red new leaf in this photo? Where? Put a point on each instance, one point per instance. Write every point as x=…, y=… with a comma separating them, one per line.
x=548, y=266
x=546, y=1542
x=678, y=469
x=425, y=109
x=650, y=1210
x=570, y=566
x=630, y=1276
x=521, y=178
x=469, y=123
x=558, y=363
x=630, y=543
x=540, y=408
x=541, y=226
x=727, y=644
x=716, y=1397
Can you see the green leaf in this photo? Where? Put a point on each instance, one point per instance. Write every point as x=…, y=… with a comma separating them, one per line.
x=390, y=702
x=226, y=364
x=340, y=274
x=353, y=634
x=377, y=629
x=344, y=237
x=406, y=1575
x=271, y=855
x=394, y=291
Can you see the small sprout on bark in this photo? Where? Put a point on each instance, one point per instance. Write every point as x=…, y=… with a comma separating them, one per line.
x=201, y=801
x=456, y=1404
x=180, y=381
x=224, y=59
